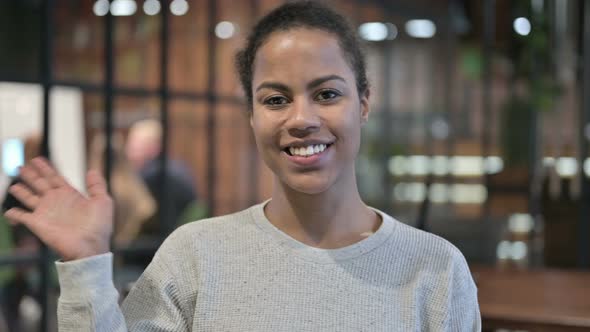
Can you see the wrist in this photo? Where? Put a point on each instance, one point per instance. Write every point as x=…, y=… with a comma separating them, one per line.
x=86, y=252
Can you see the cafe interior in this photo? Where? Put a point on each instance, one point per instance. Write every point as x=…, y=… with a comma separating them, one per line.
x=479, y=133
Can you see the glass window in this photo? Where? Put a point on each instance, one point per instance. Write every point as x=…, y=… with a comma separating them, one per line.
x=234, y=22
x=137, y=50
x=78, y=42
x=189, y=37
x=235, y=150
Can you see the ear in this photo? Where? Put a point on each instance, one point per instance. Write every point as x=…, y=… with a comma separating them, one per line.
x=365, y=109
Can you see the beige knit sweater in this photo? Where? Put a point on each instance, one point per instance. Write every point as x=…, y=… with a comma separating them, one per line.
x=240, y=273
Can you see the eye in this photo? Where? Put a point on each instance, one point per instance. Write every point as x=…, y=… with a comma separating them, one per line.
x=276, y=101
x=327, y=95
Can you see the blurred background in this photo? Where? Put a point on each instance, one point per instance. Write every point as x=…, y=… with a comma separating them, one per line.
x=478, y=133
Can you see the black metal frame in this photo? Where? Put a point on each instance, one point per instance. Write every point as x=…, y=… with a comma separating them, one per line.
x=46, y=60
x=489, y=27
x=164, y=101
x=211, y=119
x=584, y=218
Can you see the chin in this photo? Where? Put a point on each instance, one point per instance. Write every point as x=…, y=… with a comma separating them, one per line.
x=308, y=184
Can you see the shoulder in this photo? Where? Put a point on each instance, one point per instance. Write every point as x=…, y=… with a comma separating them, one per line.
x=440, y=265
x=423, y=250
x=430, y=244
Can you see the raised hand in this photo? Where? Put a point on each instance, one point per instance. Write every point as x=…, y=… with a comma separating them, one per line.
x=71, y=224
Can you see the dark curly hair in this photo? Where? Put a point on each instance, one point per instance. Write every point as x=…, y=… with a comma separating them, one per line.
x=302, y=14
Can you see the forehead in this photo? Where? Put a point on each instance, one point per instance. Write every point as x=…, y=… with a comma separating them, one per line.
x=300, y=53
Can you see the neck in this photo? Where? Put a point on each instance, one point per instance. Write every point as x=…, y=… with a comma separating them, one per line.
x=334, y=218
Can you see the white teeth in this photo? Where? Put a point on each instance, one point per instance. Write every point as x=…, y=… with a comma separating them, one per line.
x=307, y=151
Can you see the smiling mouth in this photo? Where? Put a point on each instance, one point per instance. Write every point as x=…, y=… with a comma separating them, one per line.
x=307, y=151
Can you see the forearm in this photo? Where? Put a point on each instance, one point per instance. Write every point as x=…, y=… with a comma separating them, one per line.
x=88, y=299
x=90, y=302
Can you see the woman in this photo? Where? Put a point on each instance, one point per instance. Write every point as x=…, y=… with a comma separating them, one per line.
x=312, y=258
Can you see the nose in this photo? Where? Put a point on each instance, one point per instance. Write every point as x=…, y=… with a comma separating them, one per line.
x=303, y=119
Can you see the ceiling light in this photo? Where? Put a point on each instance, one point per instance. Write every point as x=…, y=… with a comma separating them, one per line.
x=373, y=31
x=151, y=7
x=522, y=26
x=225, y=30
x=179, y=7
x=420, y=28
x=101, y=7
x=123, y=7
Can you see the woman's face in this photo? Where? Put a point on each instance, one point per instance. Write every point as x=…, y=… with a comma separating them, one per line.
x=307, y=113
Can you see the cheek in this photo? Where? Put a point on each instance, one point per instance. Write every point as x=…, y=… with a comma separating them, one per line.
x=349, y=128
x=350, y=143
x=262, y=129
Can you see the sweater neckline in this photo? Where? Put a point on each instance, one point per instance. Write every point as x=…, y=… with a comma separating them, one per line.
x=320, y=255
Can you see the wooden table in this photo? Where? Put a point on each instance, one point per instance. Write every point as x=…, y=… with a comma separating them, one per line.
x=533, y=300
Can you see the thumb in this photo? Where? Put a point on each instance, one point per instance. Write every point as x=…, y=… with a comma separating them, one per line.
x=96, y=184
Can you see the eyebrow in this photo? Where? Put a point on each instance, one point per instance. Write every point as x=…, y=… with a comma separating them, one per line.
x=316, y=82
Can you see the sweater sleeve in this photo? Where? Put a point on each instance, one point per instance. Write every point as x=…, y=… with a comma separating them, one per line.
x=157, y=302
x=89, y=300
x=463, y=314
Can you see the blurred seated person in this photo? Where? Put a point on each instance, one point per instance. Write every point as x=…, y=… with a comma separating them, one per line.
x=134, y=204
x=143, y=149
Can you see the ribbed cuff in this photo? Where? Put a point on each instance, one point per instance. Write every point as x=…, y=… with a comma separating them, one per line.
x=84, y=278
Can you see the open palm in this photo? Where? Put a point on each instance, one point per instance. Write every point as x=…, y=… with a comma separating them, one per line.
x=73, y=225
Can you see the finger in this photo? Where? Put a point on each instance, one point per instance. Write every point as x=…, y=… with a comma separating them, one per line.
x=19, y=216
x=48, y=172
x=96, y=184
x=24, y=195
x=31, y=177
